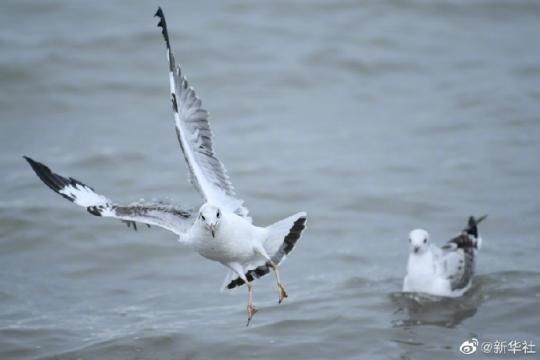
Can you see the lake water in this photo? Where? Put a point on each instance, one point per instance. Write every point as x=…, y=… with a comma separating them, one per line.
x=375, y=117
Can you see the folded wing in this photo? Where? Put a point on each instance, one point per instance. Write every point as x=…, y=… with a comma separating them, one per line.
x=457, y=261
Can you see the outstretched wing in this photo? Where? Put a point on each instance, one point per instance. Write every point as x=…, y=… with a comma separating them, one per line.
x=207, y=173
x=167, y=217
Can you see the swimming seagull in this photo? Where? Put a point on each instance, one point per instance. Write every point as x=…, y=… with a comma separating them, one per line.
x=221, y=230
x=442, y=271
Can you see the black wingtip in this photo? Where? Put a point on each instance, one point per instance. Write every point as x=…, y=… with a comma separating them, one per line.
x=36, y=166
x=54, y=181
x=472, y=225
x=32, y=162
x=40, y=169
x=163, y=25
x=479, y=220
x=475, y=221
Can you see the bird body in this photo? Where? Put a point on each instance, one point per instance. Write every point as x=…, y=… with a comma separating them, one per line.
x=221, y=230
x=442, y=271
x=235, y=239
x=424, y=274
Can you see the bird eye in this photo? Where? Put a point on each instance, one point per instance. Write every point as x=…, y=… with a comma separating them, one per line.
x=202, y=217
x=410, y=240
x=425, y=240
x=218, y=214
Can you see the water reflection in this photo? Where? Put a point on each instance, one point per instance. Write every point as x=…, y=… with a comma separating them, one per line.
x=414, y=309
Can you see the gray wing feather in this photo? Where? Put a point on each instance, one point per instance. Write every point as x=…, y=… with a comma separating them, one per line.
x=166, y=216
x=194, y=122
x=206, y=171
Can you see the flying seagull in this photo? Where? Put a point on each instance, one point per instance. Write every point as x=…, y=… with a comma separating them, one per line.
x=221, y=230
x=442, y=271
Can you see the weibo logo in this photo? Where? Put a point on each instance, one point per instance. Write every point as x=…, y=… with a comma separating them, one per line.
x=469, y=347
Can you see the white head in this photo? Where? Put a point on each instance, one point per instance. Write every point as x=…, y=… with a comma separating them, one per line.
x=210, y=216
x=418, y=241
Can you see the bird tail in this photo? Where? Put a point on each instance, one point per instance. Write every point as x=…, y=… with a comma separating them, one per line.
x=281, y=239
x=283, y=236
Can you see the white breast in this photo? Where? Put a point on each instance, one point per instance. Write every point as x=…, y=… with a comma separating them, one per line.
x=423, y=275
x=234, y=240
x=420, y=273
